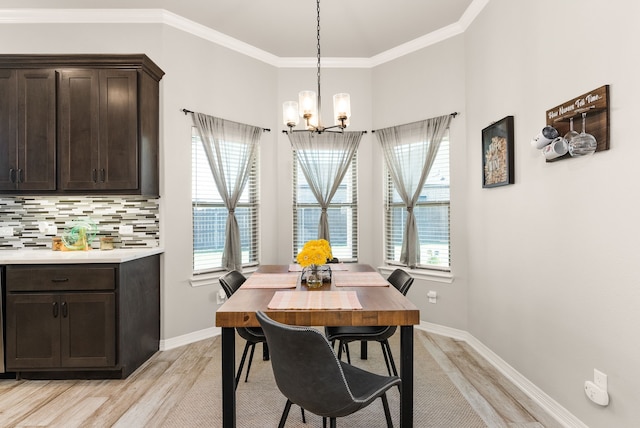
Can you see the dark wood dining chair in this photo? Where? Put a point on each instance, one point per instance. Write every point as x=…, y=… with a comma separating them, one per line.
x=346, y=334
x=309, y=374
x=230, y=282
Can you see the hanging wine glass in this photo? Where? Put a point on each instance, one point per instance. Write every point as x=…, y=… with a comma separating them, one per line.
x=571, y=134
x=583, y=143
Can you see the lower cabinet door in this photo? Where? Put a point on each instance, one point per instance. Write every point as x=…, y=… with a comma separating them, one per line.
x=33, y=331
x=60, y=330
x=87, y=330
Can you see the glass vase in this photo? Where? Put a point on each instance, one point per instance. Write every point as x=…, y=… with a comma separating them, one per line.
x=314, y=276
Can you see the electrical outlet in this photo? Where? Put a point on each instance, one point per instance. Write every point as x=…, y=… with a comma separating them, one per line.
x=125, y=229
x=221, y=297
x=47, y=228
x=6, y=231
x=597, y=390
x=600, y=379
x=432, y=295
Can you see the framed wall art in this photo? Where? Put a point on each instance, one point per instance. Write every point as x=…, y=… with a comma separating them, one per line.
x=497, y=153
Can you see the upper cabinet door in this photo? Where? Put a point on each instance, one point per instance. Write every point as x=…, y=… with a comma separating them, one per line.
x=78, y=128
x=8, y=128
x=36, y=130
x=27, y=130
x=118, y=152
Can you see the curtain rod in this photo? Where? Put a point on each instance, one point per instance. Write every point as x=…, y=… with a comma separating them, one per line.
x=454, y=114
x=185, y=111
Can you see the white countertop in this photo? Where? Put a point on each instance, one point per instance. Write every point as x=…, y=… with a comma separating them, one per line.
x=42, y=256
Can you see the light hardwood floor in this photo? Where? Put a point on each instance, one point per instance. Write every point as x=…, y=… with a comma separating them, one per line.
x=149, y=395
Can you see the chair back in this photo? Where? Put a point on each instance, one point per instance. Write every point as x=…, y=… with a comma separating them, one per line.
x=401, y=280
x=231, y=281
x=306, y=368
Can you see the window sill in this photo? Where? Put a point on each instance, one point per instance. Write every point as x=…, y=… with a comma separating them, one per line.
x=211, y=278
x=426, y=274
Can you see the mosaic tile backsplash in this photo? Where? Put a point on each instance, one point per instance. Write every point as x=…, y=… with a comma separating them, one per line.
x=32, y=222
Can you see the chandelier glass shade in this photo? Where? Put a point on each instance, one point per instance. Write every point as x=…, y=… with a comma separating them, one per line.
x=308, y=106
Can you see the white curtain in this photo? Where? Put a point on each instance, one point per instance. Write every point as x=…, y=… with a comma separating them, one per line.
x=324, y=159
x=409, y=151
x=231, y=149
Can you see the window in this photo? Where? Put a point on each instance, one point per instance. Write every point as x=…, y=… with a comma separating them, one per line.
x=210, y=214
x=342, y=212
x=432, y=216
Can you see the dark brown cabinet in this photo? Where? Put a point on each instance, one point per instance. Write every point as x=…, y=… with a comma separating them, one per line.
x=102, y=124
x=61, y=330
x=102, y=319
x=27, y=130
x=98, y=123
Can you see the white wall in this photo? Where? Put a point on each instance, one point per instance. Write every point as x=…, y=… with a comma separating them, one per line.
x=553, y=284
x=422, y=85
x=207, y=78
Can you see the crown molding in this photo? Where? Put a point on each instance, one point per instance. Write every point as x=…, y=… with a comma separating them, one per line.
x=472, y=13
x=416, y=44
x=81, y=16
x=162, y=16
x=325, y=62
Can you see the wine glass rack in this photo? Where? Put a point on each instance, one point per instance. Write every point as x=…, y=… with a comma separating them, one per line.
x=596, y=104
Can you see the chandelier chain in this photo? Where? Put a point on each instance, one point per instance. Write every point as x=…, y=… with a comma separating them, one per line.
x=318, y=64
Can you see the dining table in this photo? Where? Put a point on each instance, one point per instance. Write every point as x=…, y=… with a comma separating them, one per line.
x=353, y=295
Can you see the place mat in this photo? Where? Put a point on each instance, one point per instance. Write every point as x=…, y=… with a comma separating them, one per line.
x=295, y=268
x=271, y=280
x=332, y=266
x=315, y=300
x=359, y=279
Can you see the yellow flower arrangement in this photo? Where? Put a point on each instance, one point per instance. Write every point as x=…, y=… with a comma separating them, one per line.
x=315, y=252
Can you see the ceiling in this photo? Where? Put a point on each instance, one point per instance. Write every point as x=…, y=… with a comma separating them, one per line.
x=287, y=28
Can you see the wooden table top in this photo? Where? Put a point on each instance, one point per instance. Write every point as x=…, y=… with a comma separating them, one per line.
x=380, y=306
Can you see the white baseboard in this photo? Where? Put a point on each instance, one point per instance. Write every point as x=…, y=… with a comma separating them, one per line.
x=562, y=415
x=185, y=339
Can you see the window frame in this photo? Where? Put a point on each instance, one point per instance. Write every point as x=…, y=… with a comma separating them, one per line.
x=253, y=204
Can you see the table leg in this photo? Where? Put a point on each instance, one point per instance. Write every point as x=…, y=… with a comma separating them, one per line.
x=363, y=349
x=406, y=373
x=228, y=377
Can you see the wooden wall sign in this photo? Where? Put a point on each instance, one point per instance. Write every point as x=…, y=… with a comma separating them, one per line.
x=596, y=104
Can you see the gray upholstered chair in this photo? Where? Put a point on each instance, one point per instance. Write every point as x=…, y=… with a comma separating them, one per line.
x=230, y=282
x=309, y=374
x=400, y=280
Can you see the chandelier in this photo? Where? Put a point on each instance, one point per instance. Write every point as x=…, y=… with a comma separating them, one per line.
x=309, y=104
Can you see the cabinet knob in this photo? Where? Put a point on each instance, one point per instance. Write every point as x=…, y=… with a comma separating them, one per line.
x=94, y=175
x=12, y=175
x=65, y=309
x=55, y=309
x=59, y=279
